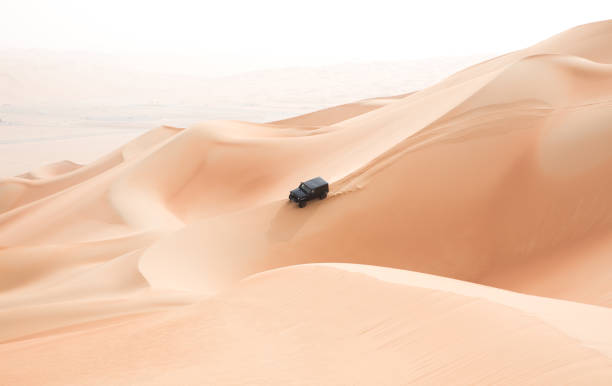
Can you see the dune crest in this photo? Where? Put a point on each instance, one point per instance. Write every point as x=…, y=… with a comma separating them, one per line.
x=177, y=255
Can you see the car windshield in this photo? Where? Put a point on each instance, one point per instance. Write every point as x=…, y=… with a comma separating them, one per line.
x=305, y=188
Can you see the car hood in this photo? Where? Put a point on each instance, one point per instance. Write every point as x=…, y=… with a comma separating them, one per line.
x=299, y=193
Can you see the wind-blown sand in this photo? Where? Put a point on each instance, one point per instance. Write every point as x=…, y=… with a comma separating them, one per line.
x=176, y=259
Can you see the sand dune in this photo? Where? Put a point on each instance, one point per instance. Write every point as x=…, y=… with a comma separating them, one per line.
x=177, y=258
x=333, y=325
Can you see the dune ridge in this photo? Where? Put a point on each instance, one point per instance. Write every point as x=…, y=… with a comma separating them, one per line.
x=397, y=332
x=177, y=256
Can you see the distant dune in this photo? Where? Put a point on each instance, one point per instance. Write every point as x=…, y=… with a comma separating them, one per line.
x=80, y=79
x=80, y=106
x=467, y=239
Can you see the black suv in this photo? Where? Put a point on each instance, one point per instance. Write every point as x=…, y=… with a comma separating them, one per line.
x=315, y=188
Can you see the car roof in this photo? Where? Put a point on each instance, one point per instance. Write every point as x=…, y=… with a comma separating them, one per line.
x=315, y=183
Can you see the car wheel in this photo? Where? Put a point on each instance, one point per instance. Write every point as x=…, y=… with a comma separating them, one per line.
x=323, y=195
x=302, y=204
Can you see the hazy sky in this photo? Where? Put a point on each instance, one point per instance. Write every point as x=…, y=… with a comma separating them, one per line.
x=287, y=33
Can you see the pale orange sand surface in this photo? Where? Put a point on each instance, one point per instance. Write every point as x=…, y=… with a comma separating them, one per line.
x=467, y=239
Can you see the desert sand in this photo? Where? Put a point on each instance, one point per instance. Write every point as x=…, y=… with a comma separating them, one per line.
x=467, y=239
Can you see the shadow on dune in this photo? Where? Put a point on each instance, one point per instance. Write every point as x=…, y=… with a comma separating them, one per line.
x=289, y=219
